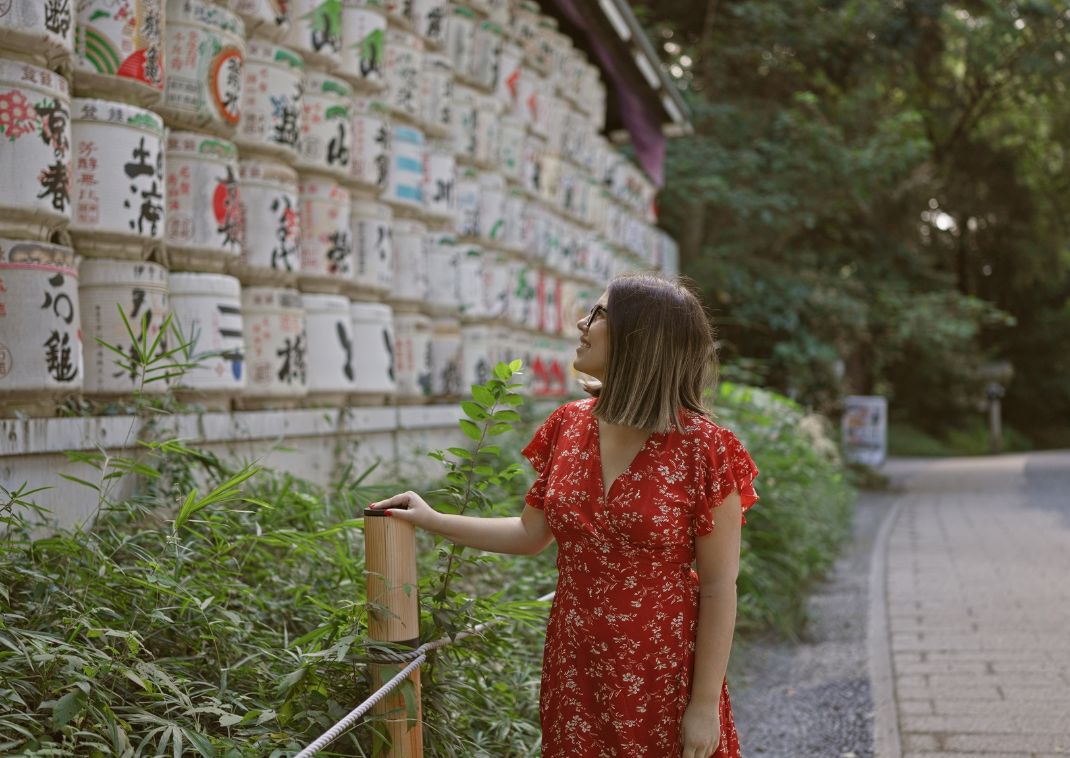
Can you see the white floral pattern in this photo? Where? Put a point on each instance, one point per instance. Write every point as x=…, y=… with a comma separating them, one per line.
x=620, y=641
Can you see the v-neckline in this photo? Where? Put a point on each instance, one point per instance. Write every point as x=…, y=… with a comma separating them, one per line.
x=602, y=488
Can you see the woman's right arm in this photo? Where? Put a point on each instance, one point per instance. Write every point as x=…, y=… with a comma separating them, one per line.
x=525, y=534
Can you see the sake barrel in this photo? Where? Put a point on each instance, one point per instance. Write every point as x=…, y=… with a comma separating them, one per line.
x=271, y=101
x=402, y=71
x=447, y=358
x=400, y=13
x=276, y=345
x=373, y=340
x=203, y=219
x=316, y=32
x=549, y=179
x=487, y=38
x=429, y=20
x=370, y=223
x=40, y=32
x=140, y=289
x=549, y=315
x=465, y=114
x=410, y=263
x=531, y=89
x=525, y=23
x=497, y=284
x=35, y=151
x=492, y=217
x=119, y=50
x=487, y=123
x=499, y=11
x=436, y=94
x=369, y=167
x=326, y=140
x=531, y=172
x=271, y=249
x=439, y=180
x=467, y=222
x=511, y=148
x=516, y=211
x=268, y=19
x=556, y=112
x=118, y=185
x=522, y=296
x=443, y=267
x=506, y=84
x=326, y=244
x=541, y=51
x=363, y=43
x=470, y=274
x=332, y=356
x=476, y=354
x=412, y=358
x=206, y=310
x=460, y=35
x=40, y=324
x=205, y=46
x=405, y=179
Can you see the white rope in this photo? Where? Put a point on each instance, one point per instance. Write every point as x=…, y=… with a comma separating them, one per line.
x=418, y=656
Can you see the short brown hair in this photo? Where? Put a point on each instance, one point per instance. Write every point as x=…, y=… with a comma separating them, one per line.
x=661, y=355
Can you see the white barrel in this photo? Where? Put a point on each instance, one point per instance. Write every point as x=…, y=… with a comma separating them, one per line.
x=276, y=346
x=511, y=148
x=443, y=267
x=119, y=50
x=140, y=289
x=205, y=46
x=400, y=13
x=204, y=216
x=488, y=119
x=412, y=356
x=269, y=19
x=326, y=140
x=363, y=43
x=439, y=180
x=369, y=166
x=271, y=101
x=477, y=354
x=405, y=178
x=492, y=218
x=429, y=20
x=402, y=70
x=523, y=299
x=370, y=223
x=550, y=180
x=556, y=110
x=529, y=93
x=506, y=85
x=549, y=314
x=436, y=94
x=332, y=355
x=447, y=358
x=497, y=284
x=41, y=339
x=316, y=31
x=373, y=340
x=460, y=36
x=35, y=151
x=326, y=244
x=271, y=210
x=470, y=274
x=410, y=263
x=467, y=221
x=465, y=114
x=206, y=309
x=531, y=172
x=487, y=38
x=516, y=211
x=118, y=187
x=42, y=32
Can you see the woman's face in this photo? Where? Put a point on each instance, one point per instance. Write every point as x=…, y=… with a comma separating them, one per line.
x=593, y=350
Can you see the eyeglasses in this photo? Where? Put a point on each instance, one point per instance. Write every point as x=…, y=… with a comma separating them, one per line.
x=595, y=311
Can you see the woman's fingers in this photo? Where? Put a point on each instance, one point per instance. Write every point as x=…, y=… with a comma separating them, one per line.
x=400, y=500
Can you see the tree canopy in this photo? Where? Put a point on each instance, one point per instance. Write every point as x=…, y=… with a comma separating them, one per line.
x=875, y=197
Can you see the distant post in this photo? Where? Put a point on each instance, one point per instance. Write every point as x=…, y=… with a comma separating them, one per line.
x=865, y=429
x=996, y=375
x=394, y=616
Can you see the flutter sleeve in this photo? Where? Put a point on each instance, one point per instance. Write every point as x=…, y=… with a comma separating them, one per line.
x=540, y=452
x=727, y=467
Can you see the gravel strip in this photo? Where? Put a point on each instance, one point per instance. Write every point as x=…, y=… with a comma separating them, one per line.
x=812, y=699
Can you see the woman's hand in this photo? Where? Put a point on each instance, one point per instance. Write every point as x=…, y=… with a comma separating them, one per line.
x=700, y=730
x=408, y=506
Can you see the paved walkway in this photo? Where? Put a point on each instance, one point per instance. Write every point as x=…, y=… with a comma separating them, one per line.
x=975, y=581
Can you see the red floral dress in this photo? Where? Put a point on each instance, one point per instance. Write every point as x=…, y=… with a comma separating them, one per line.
x=620, y=642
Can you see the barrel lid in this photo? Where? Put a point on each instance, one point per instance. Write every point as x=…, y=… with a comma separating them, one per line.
x=35, y=253
x=29, y=75
x=96, y=271
x=209, y=14
x=261, y=51
x=187, y=283
x=270, y=298
x=319, y=303
x=373, y=208
x=408, y=134
x=325, y=84
x=120, y=114
x=370, y=311
x=272, y=171
x=205, y=145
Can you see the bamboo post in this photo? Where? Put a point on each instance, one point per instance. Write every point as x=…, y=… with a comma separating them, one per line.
x=394, y=616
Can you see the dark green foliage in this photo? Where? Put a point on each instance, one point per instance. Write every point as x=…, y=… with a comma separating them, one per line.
x=875, y=196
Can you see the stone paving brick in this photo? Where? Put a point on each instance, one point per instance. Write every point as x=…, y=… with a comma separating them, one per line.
x=913, y=741
x=1036, y=743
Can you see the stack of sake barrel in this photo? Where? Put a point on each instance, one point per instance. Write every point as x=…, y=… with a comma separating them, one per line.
x=333, y=200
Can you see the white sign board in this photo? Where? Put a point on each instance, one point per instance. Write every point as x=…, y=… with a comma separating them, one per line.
x=865, y=429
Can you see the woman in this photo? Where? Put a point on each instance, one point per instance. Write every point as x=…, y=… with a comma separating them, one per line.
x=631, y=483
